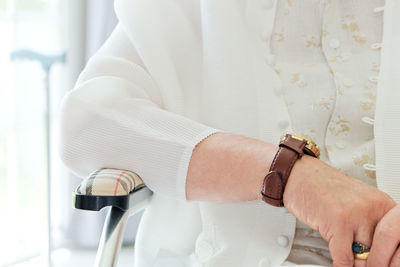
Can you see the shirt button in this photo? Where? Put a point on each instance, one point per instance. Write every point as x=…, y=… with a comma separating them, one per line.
x=348, y=82
x=368, y=120
x=373, y=79
x=278, y=91
x=283, y=123
x=369, y=167
x=379, y=9
x=267, y=4
x=334, y=43
x=204, y=250
x=282, y=241
x=376, y=46
x=265, y=35
x=341, y=144
x=264, y=263
x=271, y=60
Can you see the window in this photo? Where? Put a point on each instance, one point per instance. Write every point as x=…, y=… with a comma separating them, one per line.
x=34, y=25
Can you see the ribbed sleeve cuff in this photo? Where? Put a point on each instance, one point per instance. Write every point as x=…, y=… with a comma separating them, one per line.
x=120, y=128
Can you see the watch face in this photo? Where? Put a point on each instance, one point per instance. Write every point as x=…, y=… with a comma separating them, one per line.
x=311, y=147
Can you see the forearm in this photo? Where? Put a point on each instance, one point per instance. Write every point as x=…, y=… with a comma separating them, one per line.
x=227, y=167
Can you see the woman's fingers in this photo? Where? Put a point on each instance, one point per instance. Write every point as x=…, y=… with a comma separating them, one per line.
x=386, y=239
x=364, y=235
x=340, y=248
x=339, y=210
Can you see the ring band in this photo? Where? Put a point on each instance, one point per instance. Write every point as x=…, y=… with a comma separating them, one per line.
x=361, y=256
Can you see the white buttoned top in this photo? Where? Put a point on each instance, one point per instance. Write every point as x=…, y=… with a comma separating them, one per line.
x=175, y=71
x=328, y=62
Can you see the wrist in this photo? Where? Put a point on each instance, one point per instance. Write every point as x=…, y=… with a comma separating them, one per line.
x=226, y=167
x=302, y=170
x=292, y=147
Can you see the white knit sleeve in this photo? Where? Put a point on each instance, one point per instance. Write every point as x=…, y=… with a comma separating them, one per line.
x=114, y=118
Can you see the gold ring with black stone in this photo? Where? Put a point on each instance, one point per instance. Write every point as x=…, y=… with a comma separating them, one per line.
x=361, y=251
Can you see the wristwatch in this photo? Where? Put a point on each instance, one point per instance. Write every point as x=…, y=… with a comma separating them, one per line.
x=291, y=148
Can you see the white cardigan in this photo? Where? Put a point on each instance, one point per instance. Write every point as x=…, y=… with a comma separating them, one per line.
x=168, y=77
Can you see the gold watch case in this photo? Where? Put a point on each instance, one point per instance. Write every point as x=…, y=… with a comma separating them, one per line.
x=311, y=145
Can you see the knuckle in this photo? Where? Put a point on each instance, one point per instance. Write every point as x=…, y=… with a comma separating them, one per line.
x=341, y=214
x=364, y=209
x=383, y=202
x=359, y=208
x=384, y=229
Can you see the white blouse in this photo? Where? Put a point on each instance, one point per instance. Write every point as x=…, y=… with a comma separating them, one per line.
x=326, y=103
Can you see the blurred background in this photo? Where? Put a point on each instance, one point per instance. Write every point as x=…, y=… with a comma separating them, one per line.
x=44, y=45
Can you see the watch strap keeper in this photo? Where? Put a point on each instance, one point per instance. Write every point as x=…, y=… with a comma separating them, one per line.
x=290, y=150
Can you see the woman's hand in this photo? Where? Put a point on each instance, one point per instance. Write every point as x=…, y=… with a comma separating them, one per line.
x=385, y=245
x=341, y=208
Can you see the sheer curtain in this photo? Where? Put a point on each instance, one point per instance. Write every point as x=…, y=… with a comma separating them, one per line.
x=32, y=32
x=32, y=40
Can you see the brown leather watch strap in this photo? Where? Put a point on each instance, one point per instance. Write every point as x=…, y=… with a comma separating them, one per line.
x=290, y=150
